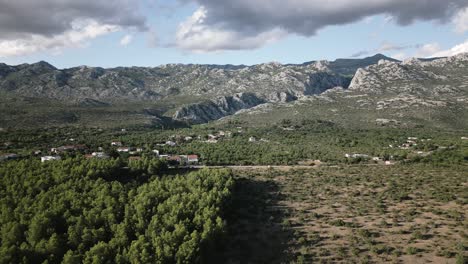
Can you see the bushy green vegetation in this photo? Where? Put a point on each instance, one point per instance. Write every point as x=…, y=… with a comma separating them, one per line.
x=285, y=143
x=98, y=211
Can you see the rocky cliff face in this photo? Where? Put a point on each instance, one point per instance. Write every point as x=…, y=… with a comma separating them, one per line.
x=217, y=108
x=142, y=83
x=418, y=77
x=212, y=91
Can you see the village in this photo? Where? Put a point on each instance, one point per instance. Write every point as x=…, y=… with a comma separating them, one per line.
x=130, y=152
x=117, y=148
x=410, y=146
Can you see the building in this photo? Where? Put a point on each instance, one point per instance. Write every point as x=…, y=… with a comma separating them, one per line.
x=116, y=144
x=123, y=149
x=176, y=159
x=192, y=159
x=100, y=155
x=68, y=148
x=171, y=143
x=252, y=139
x=49, y=158
x=364, y=156
x=155, y=151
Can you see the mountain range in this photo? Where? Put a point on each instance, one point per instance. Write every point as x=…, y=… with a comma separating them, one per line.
x=41, y=93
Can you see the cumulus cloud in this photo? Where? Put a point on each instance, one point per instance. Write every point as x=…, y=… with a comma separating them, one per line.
x=28, y=26
x=127, y=39
x=222, y=21
x=461, y=21
x=433, y=50
x=427, y=50
x=196, y=36
x=80, y=32
x=460, y=48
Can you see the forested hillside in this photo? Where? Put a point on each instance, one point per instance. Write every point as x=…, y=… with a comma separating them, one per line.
x=98, y=211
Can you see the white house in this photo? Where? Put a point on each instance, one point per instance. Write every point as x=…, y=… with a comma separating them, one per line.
x=192, y=159
x=252, y=139
x=100, y=155
x=155, y=151
x=123, y=149
x=49, y=158
x=356, y=156
x=171, y=143
x=116, y=143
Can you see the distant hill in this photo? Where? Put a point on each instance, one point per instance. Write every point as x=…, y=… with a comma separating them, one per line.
x=432, y=93
x=197, y=93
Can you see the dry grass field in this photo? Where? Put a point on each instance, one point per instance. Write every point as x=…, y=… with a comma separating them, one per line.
x=349, y=214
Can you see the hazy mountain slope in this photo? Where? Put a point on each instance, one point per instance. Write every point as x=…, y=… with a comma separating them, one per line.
x=415, y=92
x=193, y=93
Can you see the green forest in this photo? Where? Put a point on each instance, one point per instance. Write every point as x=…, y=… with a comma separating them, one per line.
x=106, y=211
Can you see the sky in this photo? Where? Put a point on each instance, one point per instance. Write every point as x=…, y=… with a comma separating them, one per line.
x=68, y=33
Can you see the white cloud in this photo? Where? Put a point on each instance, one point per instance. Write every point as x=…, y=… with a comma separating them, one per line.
x=238, y=24
x=461, y=21
x=194, y=35
x=427, y=50
x=81, y=31
x=127, y=39
x=460, y=48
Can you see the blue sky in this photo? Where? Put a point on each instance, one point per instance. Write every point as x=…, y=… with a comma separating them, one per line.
x=155, y=41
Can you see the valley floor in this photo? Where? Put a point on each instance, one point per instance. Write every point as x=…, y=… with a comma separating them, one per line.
x=348, y=214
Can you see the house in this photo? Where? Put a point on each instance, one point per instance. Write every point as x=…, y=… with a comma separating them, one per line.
x=188, y=138
x=49, y=158
x=123, y=149
x=192, y=159
x=464, y=138
x=412, y=138
x=214, y=141
x=211, y=136
x=180, y=160
x=100, y=155
x=252, y=139
x=68, y=148
x=116, y=143
x=356, y=156
x=389, y=162
x=171, y=143
x=264, y=140
x=155, y=151
x=376, y=159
